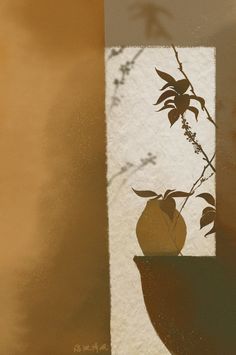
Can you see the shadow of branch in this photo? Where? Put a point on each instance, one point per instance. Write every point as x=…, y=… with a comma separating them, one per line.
x=151, y=14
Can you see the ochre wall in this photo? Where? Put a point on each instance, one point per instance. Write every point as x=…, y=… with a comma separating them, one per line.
x=53, y=218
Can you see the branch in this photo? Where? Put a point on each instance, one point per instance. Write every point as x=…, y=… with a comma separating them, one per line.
x=114, y=52
x=191, y=137
x=125, y=71
x=191, y=85
x=203, y=180
x=195, y=187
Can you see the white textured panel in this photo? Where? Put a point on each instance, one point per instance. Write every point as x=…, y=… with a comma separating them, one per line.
x=134, y=131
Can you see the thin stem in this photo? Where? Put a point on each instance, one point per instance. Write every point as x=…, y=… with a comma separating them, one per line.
x=194, y=187
x=191, y=85
x=207, y=159
x=203, y=180
x=137, y=55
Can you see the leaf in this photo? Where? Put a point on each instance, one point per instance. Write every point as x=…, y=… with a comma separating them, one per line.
x=194, y=110
x=199, y=99
x=207, y=218
x=182, y=102
x=173, y=116
x=168, y=206
x=146, y=193
x=165, y=107
x=208, y=209
x=165, y=95
x=213, y=230
x=180, y=194
x=167, y=192
x=208, y=197
x=166, y=86
x=169, y=102
x=181, y=86
x=165, y=76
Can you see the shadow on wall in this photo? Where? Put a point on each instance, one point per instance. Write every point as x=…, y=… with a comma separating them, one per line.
x=67, y=297
x=60, y=28
x=192, y=301
x=66, y=300
x=225, y=143
x=151, y=15
x=187, y=28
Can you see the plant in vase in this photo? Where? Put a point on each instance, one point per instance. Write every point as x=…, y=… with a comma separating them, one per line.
x=161, y=229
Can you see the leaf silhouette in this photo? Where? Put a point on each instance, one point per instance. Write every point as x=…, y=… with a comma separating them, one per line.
x=199, y=99
x=168, y=206
x=165, y=95
x=165, y=107
x=181, y=86
x=208, y=197
x=167, y=192
x=166, y=86
x=182, y=102
x=146, y=193
x=208, y=209
x=194, y=110
x=207, y=218
x=173, y=116
x=165, y=76
x=213, y=230
x=180, y=194
x=167, y=102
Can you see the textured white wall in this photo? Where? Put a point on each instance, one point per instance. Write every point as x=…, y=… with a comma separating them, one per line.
x=134, y=130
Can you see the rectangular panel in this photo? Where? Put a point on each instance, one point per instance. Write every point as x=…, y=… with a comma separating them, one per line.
x=153, y=150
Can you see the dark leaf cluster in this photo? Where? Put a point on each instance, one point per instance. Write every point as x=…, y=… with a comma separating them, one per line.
x=175, y=97
x=208, y=213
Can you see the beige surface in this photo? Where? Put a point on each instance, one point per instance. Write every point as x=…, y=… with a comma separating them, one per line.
x=134, y=129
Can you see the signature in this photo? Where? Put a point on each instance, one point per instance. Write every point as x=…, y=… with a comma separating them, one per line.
x=92, y=348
